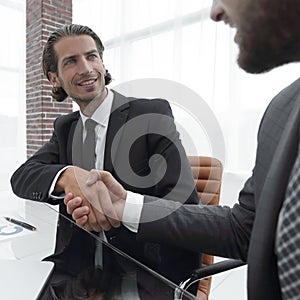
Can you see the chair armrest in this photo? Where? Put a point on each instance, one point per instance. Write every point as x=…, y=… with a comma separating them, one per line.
x=218, y=267
x=212, y=269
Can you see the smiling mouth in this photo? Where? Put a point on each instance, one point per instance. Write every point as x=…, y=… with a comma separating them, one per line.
x=87, y=83
x=237, y=38
x=228, y=22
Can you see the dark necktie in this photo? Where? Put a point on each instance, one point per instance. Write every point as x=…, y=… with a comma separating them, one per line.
x=288, y=238
x=89, y=145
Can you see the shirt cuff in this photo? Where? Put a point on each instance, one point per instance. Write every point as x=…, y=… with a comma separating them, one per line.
x=132, y=211
x=52, y=187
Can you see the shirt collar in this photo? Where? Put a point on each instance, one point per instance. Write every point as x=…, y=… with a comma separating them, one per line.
x=102, y=113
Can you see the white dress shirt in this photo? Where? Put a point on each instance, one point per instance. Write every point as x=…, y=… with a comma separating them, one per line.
x=101, y=116
x=134, y=201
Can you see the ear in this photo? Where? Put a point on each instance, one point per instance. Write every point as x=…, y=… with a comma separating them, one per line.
x=54, y=79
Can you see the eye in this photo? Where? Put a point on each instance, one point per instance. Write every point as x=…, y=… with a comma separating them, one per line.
x=92, y=56
x=69, y=61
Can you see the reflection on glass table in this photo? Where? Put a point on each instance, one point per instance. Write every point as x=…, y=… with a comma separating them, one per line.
x=117, y=276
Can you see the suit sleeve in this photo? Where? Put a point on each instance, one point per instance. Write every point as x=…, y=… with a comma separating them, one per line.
x=32, y=180
x=216, y=230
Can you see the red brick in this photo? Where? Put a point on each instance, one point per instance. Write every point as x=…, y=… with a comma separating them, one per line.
x=43, y=17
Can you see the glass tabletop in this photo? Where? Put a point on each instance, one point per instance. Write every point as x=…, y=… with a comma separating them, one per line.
x=117, y=276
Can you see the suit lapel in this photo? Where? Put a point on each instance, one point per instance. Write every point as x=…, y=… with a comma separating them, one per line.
x=261, y=257
x=281, y=166
x=118, y=117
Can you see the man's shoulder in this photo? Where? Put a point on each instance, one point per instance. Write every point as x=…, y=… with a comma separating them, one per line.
x=67, y=118
x=288, y=96
x=153, y=104
x=280, y=109
x=143, y=104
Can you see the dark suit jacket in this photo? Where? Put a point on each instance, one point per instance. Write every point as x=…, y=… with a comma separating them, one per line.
x=141, y=132
x=248, y=230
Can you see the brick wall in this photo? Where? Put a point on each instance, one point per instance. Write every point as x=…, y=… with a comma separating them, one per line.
x=42, y=17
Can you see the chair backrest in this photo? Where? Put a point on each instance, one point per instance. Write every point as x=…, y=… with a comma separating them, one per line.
x=207, y=173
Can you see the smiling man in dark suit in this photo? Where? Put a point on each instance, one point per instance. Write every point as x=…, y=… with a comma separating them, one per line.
x=263, y=227
x=134, y=139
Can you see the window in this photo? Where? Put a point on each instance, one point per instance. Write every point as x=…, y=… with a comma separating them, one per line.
x=12, y=86
x=176, y=40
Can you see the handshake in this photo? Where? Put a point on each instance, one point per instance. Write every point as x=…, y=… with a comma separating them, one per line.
x=94, y=198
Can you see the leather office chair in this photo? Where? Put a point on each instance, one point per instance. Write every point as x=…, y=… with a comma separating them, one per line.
x=207, y=173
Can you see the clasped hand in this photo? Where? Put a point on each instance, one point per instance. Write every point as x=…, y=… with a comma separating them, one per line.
x=100, y=203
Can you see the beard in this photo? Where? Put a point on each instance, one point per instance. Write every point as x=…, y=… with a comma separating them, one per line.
x=89, y=105
x=269, y=37
x=262, y=56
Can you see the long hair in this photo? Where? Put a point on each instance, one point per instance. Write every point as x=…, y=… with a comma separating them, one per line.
x=50, y=59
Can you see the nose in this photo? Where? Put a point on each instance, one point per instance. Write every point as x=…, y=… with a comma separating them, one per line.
x=217, y=11
x=84, y=66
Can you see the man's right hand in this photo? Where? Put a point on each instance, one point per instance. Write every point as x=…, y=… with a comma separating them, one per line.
x=102, y=215
x=111, y=196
